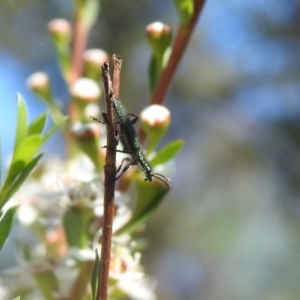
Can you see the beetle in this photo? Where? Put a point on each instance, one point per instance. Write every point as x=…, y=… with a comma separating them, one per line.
x=131, y=143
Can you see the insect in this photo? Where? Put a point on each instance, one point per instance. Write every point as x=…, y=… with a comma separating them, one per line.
x=132, y=144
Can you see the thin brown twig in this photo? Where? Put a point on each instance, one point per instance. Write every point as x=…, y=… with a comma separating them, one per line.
x=180, y=43
x=109, y=192
x=122, y=184
x=78, y=45
x=117, y=62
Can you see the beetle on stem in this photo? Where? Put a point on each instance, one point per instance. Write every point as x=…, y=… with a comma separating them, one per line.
x=131, y=144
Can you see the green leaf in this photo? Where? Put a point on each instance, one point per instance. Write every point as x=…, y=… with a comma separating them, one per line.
x=18, y=298
x=55, y=127
x=47, y=282
x=21, y=131
x=95, y=276
x=37, y=124
x=90, y=10
x=167, y=153
x=73, y=227
x=75, y=222
x=24, y=158
x=25, y=152
x=21, y=159
x=150, y=196
x=13, y=185
x=6, y=222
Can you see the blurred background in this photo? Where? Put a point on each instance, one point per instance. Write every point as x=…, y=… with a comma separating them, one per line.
x=230, y=227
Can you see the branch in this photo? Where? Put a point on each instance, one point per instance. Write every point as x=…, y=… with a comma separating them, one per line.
x=109, y=183
x=180, y=43
x=117, y=63
x=78, y=45
x=179, y=46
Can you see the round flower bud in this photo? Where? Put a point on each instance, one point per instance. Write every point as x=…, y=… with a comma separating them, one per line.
x=87, y=138
x=156, y=116
x=155, y=121
x=159, y=37
x=85, y=90
x=39, y=83
x=95, y=56
x=93, y=60
x=60, y=30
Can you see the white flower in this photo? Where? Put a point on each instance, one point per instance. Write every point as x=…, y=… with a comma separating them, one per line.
x=125, y=269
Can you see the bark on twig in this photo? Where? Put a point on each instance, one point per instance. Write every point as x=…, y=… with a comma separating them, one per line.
x=109, y=182
x=117, y=63
x=78, y=46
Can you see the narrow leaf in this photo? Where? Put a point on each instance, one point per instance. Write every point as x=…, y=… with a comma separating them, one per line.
x=25, y=152
x=149, y=197
x=167, y=153
x=9, y=191
x=21, y=159
x=37, y=124
x=95, y=276
x=90, y=12
x=6, y=222
x=21, y=131
x=55, y=127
